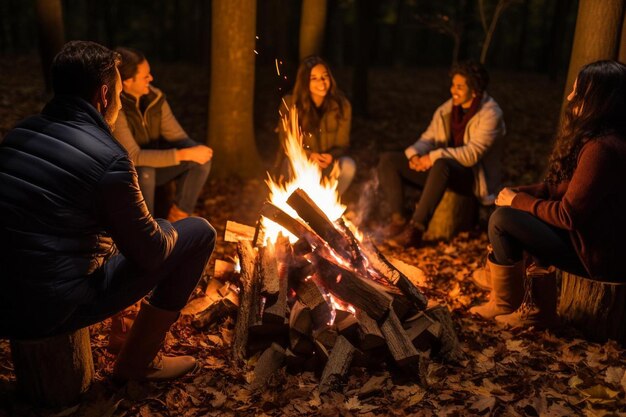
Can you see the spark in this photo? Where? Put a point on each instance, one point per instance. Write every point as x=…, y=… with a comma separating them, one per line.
x=277, y=69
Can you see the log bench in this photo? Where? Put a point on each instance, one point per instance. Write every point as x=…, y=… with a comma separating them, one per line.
x=595, y=308
x=53, y=371
x=455, y=212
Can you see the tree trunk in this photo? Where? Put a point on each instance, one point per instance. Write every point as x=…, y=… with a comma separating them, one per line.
x=455, y=212
x=597, y=35
x=597, y=309
x=54, y=371
x=51, y=34
x=231, y=132
x=312, y=25
x=621, y=55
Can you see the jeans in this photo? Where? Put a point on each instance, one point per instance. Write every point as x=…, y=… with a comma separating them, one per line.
x=512, y=231
x=190, y=178
x=119, y=284
x=394, y=172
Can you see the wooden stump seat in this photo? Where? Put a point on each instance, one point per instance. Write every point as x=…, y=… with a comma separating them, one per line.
x=455, y=212
x=596, y=308
x=53, y=371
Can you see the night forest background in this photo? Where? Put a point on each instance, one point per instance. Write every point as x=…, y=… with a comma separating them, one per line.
x=391, y=57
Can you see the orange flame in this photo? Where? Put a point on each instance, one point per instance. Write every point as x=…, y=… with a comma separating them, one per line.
x=307, y=175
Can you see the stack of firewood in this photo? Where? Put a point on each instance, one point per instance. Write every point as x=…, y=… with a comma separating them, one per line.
x=326, y=303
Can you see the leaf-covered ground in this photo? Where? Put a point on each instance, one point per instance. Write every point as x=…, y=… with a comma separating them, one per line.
x=506, y=373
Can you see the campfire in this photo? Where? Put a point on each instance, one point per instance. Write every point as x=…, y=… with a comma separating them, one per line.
x=311, y=292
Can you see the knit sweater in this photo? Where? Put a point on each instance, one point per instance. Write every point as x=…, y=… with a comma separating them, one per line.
x=590, y=206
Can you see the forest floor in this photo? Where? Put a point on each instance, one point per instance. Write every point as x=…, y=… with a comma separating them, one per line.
x=505, y=373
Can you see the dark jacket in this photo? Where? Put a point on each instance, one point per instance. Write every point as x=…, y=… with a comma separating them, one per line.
x=69, y=199
x=590, y=206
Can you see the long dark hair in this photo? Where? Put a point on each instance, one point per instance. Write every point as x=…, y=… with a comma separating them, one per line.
x=131, y=58
x=597, y=109
x=308, y=116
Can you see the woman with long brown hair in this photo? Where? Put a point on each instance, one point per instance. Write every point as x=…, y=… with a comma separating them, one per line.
x=574, y=220
x=324, y=115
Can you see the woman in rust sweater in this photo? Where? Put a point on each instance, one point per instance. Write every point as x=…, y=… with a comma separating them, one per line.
x=574, y=220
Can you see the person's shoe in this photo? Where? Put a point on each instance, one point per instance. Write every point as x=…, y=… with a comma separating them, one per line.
x=538, y=308
x=120, y=326
x=507, y=290
x=139, y=358
x=482, y=276
x=175, y=214
x=410, y=237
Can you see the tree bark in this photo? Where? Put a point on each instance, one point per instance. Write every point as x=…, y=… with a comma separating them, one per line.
x=51, y=34
x=596, y=308
x=312, y=27
x=231, y=131
x=597, y=35
x=54, y=371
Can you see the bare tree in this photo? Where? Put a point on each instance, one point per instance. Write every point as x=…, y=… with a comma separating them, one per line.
x=597, y=35
x=490, y=27
x=231, y=132
x=51, y=34
x=312, y=26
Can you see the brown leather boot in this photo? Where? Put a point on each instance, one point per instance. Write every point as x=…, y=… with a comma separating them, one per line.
x=175, y=214
x=120, y=326
x=538, y=308
x=139, y=358
x=507, y=292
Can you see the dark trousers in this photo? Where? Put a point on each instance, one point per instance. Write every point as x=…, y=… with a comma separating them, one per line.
x=394, y=173
x=512, y=231
x=119, y=284
x=190, y=178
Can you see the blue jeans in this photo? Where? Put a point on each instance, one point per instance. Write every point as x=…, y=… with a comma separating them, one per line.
x=190, y=178
x=513, y=232
x=119, y=284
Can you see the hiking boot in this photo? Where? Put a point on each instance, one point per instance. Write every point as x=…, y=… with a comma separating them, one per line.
x=482, y=276
x=538, y=308
x=120, y=326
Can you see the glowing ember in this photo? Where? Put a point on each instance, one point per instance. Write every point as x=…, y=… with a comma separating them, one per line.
x=338, y=304
x=306, y=175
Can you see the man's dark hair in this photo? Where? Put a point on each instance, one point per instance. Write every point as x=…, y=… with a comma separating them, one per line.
x=474, y=72
x=82, y=67
x=131, y=58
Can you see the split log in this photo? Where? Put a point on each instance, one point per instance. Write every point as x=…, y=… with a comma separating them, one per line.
x=277, y=215
x=402, y=349
x=53, y=371
x=310, y=212
x=596, y=308
x=247, y=295
x=300, y=318
x=450, y=347
x=369, y=332
x=362, y=293
x=455, y=212
x=338, y=364
x=348, y=326
x=310, y=294
x=224, y=271
x=423, y=331
x=393, y=275
x=236, y=232
x=267, y=365
x=300, y=343
x=326, y=335
x=214, y=312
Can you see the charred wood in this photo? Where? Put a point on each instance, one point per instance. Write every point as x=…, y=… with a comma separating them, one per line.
x=248, y=277
x=338, y=364
x=267, y=365
x=402, y=349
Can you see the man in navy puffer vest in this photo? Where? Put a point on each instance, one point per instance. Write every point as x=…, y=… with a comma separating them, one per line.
x=77, y=241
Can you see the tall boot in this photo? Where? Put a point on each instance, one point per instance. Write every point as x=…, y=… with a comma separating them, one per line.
x=139, y=358
x=538, y=308
x=120, y=326
x=482, y=276
x=507, y=292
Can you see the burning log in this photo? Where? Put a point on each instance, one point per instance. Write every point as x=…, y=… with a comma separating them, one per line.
x=275, y=281
x=249, y=287
x=338, y=364
x=360, y=292
x=269, y=362
x=393, y=275
x=311, y=296
x=320, y=223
